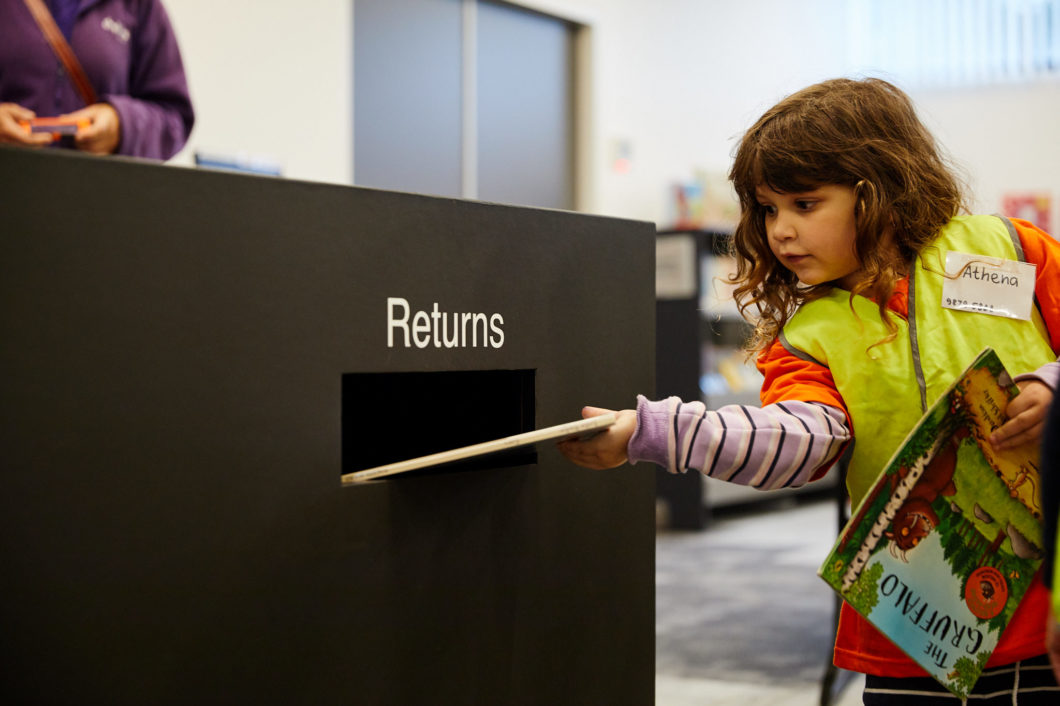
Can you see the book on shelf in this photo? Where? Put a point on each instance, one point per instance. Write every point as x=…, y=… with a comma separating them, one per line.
x=941, y=550
x=580, y=428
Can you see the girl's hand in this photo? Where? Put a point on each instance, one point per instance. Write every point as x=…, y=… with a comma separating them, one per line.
x=103, y=133
x=606, y=449
x=1026, y=412
x=12, y=133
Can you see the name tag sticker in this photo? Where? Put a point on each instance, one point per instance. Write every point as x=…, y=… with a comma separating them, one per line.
x=988, y=285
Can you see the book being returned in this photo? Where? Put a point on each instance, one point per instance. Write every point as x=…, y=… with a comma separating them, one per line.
x=577, y=428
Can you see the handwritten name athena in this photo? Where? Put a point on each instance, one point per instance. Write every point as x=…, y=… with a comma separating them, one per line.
x=986, y=274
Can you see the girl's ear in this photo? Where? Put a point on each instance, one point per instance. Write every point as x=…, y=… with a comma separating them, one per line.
x=866, y=198
x=871, y=214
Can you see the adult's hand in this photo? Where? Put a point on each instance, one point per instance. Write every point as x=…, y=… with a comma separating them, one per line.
x=12, y=133
x=103, y=133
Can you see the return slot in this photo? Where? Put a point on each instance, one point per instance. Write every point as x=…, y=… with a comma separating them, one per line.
x=390, y=417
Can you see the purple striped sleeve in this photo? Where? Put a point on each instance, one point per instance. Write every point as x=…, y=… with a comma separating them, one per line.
x=777, y=446
x=1048, y=373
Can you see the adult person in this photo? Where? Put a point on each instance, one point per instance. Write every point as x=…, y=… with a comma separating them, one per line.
x=130, y=57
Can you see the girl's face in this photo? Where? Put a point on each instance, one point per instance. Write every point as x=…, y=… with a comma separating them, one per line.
x=812, y=233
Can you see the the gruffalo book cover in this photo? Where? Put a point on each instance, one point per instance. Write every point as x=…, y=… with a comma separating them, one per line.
x=941, y=550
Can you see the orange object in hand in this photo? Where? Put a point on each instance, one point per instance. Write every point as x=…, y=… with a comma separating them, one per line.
x=56, y=126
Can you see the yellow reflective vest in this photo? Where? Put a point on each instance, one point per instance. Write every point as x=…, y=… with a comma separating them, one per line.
x=888, y=386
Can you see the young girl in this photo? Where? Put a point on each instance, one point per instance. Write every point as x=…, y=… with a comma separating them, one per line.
x=847, y=213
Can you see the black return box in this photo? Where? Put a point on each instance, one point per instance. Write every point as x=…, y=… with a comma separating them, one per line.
x=191, y=361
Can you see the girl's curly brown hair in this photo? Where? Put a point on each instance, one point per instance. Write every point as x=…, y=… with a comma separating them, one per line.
x=863, y=134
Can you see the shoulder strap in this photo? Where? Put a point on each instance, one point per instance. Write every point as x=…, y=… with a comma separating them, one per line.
x=62, y=49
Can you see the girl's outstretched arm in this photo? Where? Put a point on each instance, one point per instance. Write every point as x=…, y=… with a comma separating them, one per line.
x=779, y=445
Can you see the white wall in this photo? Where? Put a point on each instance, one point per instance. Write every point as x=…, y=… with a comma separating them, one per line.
x=679, y=80
x=1006, y=138
x=271, y=80
x=676, y=81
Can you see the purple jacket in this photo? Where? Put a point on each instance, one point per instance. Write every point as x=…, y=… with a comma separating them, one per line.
x=131, y=57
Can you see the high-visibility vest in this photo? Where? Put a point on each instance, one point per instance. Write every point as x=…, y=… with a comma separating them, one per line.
x=888, y=386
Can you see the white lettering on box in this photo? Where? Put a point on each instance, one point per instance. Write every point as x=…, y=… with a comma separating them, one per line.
x=392, y=323
x=441, y=329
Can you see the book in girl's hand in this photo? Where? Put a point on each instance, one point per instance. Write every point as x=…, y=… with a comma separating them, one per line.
x=940, y=552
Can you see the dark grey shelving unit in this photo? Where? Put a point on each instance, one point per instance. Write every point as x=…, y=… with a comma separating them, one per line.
x=680, y=334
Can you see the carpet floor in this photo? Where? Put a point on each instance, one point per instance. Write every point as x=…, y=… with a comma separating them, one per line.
x=741, y=600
